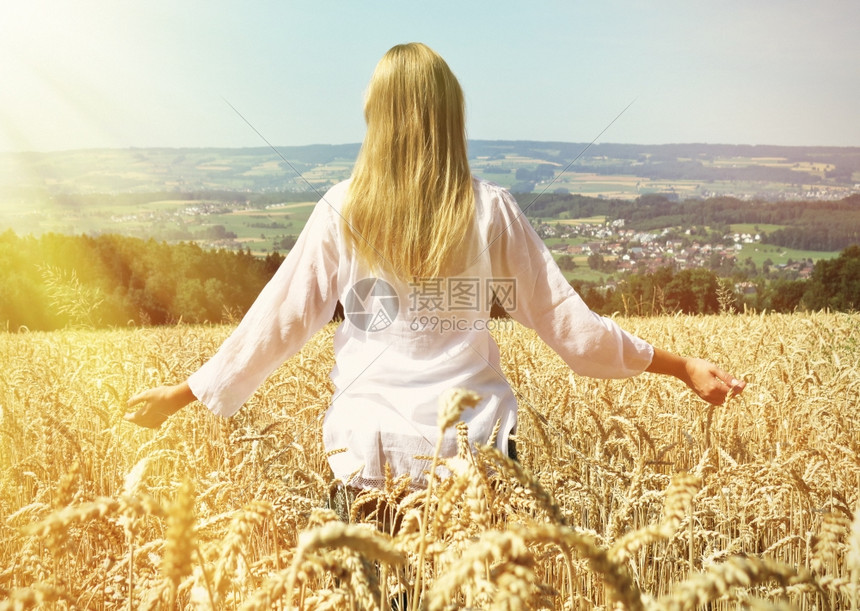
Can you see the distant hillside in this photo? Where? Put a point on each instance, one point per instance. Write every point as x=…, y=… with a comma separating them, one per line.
x=608, y=170
x=173, y=170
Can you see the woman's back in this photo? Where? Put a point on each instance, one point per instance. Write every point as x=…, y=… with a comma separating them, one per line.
x=405, y=342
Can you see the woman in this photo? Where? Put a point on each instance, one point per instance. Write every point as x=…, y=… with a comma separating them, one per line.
x=417, y=250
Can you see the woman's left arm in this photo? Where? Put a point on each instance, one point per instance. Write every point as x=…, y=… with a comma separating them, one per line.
x=298, y=300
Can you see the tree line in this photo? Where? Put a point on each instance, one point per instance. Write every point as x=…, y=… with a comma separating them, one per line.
x=58, y=280
x=55, y=281
x=834, y=284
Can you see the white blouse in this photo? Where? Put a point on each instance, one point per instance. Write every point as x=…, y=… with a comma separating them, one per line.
x=403, y=344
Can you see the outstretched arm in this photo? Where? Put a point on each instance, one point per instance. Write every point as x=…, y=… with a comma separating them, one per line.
x=298, y=300
x=591, y=345
x=158, y=404
x=705, y=379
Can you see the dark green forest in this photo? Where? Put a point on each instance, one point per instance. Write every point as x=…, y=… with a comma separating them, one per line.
x=57, y=281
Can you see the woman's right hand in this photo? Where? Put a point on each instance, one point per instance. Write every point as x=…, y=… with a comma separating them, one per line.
x=158, y=404
x=710, y=382
x=705, y=379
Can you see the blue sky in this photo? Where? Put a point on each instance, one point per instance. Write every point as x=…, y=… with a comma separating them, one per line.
x=119, y=74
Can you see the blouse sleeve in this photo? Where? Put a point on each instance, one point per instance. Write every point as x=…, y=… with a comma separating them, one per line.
x=590, y=344
x=297, y=302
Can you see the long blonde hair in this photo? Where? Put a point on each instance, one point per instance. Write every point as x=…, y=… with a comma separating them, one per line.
x=410, y=204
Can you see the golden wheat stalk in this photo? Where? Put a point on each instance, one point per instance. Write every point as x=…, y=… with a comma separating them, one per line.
x=367, y=542
x=736, y=572
x=180, y=540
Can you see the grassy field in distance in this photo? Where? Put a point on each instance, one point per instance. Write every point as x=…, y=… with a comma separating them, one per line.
x=759, y=253
x=753, y=228
x=591, y=220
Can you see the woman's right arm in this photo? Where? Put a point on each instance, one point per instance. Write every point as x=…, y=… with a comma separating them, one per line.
x=590, y=344
x=158, y=404
x=705, y=379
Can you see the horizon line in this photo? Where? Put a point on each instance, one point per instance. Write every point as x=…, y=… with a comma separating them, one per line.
x=476, y=140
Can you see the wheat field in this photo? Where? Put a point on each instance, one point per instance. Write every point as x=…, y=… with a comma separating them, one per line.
x=629, y=494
